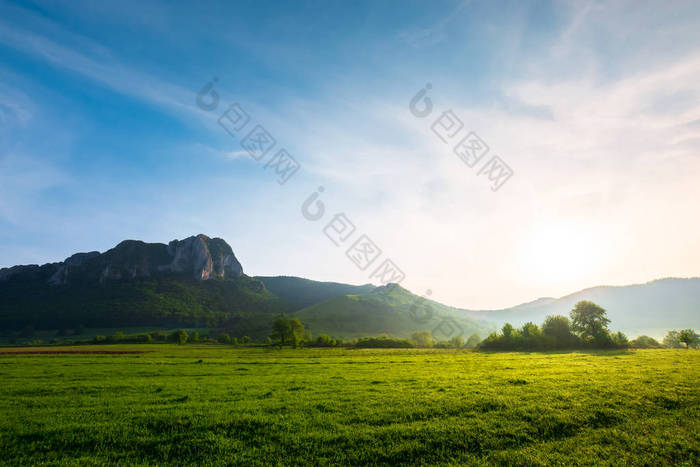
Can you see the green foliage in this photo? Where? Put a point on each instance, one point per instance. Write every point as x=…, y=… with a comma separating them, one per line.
x=117, y=337
x=557, y=332
x=507, y=330
x=159, y=336
x=392, y=310
x=180, y=337
x=281, y=330
x=224, y=339
x=242, y=302
x=383, y=342
x=422, y=338
x=619, y=340
x=590, y=322
x=672, y=340
x=288, y=331
x=305, y=292
x=245, y=340
x=324, y=340
x=473, y=341
x=587, y=318
x=645, y=342
x=689, y=337
x=454, y=343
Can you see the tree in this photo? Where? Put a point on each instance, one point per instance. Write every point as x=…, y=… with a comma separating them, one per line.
x=507, y=330
x=591, y=322
x=245, y=340
x=159, y=335
x=117, y=337
x=530, y=337
x=557, y=331
x=672, y=340
x=289, y=331
x=224, y=339
x=620, y=340
x=422, y=338
x=297, y=329
x=473, y=340
x=181, y=336
x=281, y=330
x=456, y=342
x=324, y=340
x=195, y=336
x=689, y=337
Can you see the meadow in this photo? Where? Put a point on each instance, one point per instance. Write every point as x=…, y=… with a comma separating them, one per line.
x=204, y=404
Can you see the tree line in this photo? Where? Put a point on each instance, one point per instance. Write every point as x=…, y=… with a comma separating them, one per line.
x=585, y=328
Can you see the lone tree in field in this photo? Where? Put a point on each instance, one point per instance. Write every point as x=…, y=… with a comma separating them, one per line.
x=689, y=337
x=287, y=331
x=590, y=322
x=281, y=330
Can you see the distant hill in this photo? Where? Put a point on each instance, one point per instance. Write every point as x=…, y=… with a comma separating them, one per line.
x=652, y=308
x=305, y=292
x=193, y=282
x=198, y=282
x=392, y=310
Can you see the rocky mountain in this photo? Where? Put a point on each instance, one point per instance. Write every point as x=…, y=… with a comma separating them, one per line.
x=199, y=257
x=195, y=281
x=199, y=282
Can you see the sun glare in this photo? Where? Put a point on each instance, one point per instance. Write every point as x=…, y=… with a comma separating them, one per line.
x=560, y=251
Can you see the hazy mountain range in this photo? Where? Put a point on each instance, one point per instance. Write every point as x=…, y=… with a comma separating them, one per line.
x=651, y=308
x=198, y=282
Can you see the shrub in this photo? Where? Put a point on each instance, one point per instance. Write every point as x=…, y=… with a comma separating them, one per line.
x=384, y=342
x=473, y=341
x=180, y=336
x=323, y=341
x=422, y=338
x=159, y=336
x=117, y=337
x=224, y=339
x=645, y=342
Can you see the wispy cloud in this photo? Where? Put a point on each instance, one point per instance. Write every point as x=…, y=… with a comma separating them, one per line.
x=95, y=62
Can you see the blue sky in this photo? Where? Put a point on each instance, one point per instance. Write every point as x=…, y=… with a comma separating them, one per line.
x=594, y=105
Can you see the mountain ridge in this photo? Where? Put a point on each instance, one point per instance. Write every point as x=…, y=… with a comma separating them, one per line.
x=199, y=280
x=652, y=307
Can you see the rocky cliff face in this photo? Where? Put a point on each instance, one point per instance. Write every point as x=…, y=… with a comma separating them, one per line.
x=202, y=256
x=199, y=256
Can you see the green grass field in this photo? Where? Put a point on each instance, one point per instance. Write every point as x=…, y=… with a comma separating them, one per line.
x=253, y=406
